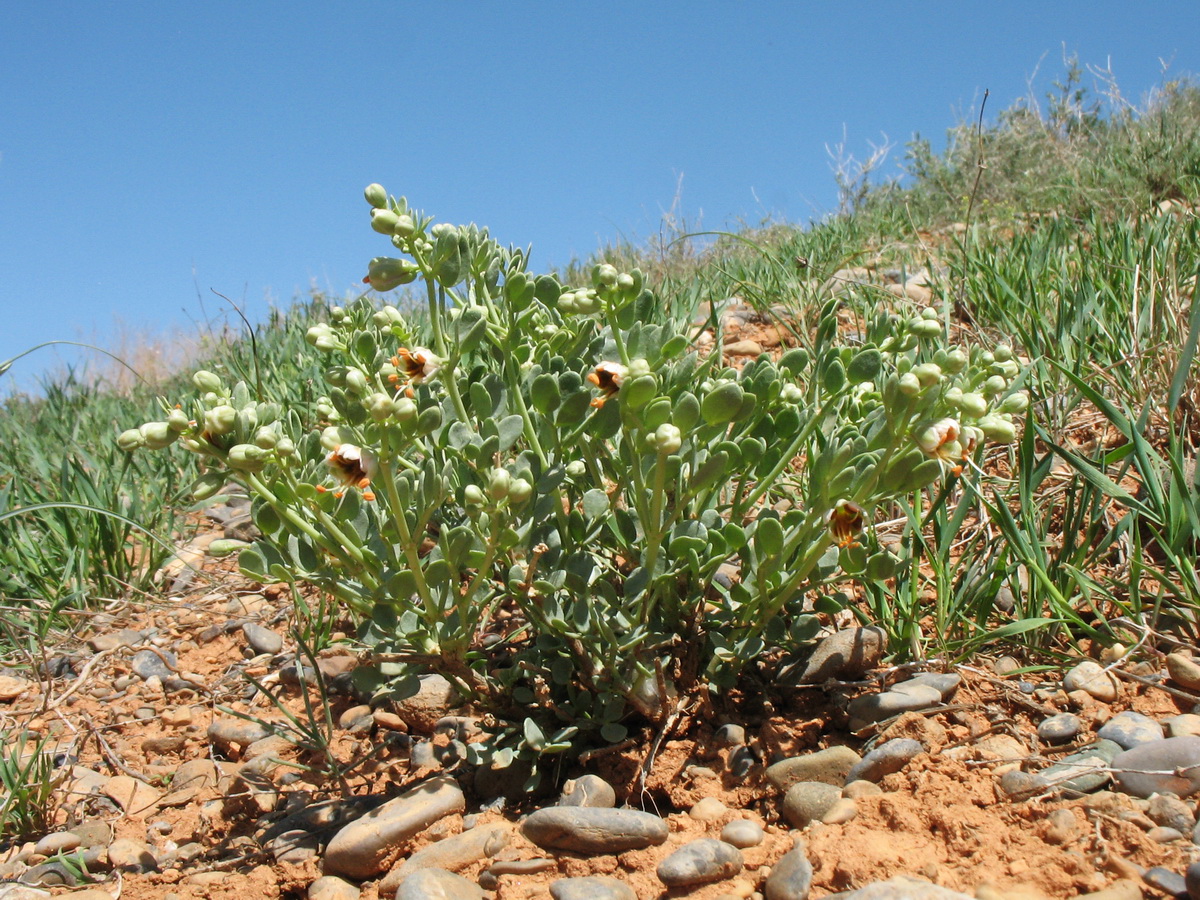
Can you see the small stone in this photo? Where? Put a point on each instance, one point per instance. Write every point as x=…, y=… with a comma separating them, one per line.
x=1005, y=665
x=700, y=862
x=360, y=849
x=1184, y=671
x=133, y=796
x=1130, y=729
x=1061, y=827
x=1060, y=728
x=1160, y=834
x=743, y=348
x=1022, y=785
x=830, y=766
x=1184, y=725
x=261, y=639
x=856, y=789
x=875, y=707
x=126, y=637
x=588, y=790
x=584, y=829
x=1166, y=881
x=1090, y=676
x=330, y=887
x=522, y=866
x=591, y=887
x=438, y=884
x=433, y=700
x=147, y=664
x=791, y=877
x=845, y=654
x=131, y=856
x=885, y=759
x=729, y=736
x=808, y=801
x=389, y=721
x=1163, y=756
x=352, y=715
x=1085, y=770
x=452, y=854
x=1191, y=880
x=743, y=833
x=11, y=688
x=843, y=810
x=1122, y=889
x=1168, y=810
x=944, y=683
x=230, y=733
x=177, y=717
x=59, y=842
x=165, y=743
x=708, y=809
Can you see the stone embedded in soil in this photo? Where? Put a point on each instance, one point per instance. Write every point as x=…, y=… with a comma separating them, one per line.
x=1061, y=827
x=133, y=796
x=131, y=856
x=830, y=765
x=874, y=707
x=791, y=877
x=432, y=701
x=902, y=889
x=58, y=842
x=438, y=884
x=1084, y=771
x=743, y=833
x=452, y=854
x=1182, y=725
x=1090, y=676
x=591, y=887
x=125, y=637
x=1160, y=834
x=1184, y=671
x=230, y=733
x=945, y=683
x=1163, y=756
x=708, y=809
x=330, y=887
x=1165, y=880
x=361, y=849
x=884, y=760
x=1168, y=810
x=1130, y=729
x=584, y=829
x=1021, y=785
x=842, y=811
x=262, y=639
x=743, y=348
x=729, y=735
x=1122, y=889
x=147, y=664
x=588, y=790
x=1191, y=881
x=847, y=654
x=1060, y=728
x=808, y=801
x=11, y=688
x=699, y=862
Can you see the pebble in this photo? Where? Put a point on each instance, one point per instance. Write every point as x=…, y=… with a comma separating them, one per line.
x=1184, y=671
x=1090, y=676
x=1164, y=756
x=808, y=801
x=147, y=664
x=585, y=829
x=1122, y=889
x=1005, y=665
x=177, y=717
x=1086, y=770
x=700, y=862
x=330, y=887
x=729, y=736
x=848, y=654
x=353, y=715
x=360, y=848
x=59, y=842
x=262, y=639
x=741, y=761
x=856, y=789
x=1129, y=729
x=708, y=809
x=11, y=688
x=388, y=721
x=1166, y=881
x=1060, y=728
x=126, y=637
x=1191, y=881
x=944, y=683
x=229, y=733
x=874, y=707
x=591, y=887
x=791, y=877
x=433, y=701
x=1061, y=827
x=843, y=810
x=131, y=856
x=903, y=889
x=1168, y=810
x=588, y=790
x=1182, y=725
x=522, y=866
x=830, y=766
x=133, y=796
x=1022, y=785
x=1160, y=834
x=452, y=854
x=438, y=884
x=885, y=759
x=743, y=833
x=743, y=348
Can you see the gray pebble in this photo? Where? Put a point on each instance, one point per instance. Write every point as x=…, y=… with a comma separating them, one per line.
x=902, y=888
x=729, y=736
x=424, y=755
x=742, y=833
x=432, y=702
x=875, y=707
x=1191, y=881
x=522, y=866
x=59, y=842
x=438, y=884
x=1090, y=676
x=126, y=637
x=1086, y=770
x=741, y=761
x=889, y=757
x=229, y=733
x=945, y=683
x=1059, y=729
x=791, y=877
x=1130, y=729
x=585, y=829
x=846, y=654
x=808, y=801
x=147, y=664
x=452, y=853
x=330, y=887
x=1170, y=811
x=1184, y=671
x=1022, y=785
x=1163, y=756
x=131, y=856
x=591, y=887
x=1166, y=881
x=361, y=848
x=700, y=862
x=1160, y=834
x=588, y=790
x=1061, y=827
x=830, y=766
x=262, y=640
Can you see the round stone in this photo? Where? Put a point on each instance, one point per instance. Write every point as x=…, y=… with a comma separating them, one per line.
x=585, y=829
x=1060, y=728
x=1090, y=676
x=1184, y=671
x=591, y=887
x=791, y=877
x=889, y=757
x=830, y=766
x=1137, y=770
x=330, y=887
x=708, y=809
x=588, y=790
x=808, y=801
x=1129, y=729
x=261, y=639
x=743, y=833
x=700, y=862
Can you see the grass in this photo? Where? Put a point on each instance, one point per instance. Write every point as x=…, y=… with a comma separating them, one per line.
x=1093, y=516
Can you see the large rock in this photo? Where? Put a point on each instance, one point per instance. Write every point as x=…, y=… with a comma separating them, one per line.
x=1171, y=765
x=587, y=829
x=362, y=848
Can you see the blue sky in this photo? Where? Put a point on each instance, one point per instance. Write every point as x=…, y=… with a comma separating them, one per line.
x=151, y=152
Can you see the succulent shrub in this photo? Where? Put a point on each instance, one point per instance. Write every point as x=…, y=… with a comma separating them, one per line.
x=534, y=490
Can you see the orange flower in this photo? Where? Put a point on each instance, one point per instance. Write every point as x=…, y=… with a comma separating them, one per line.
x=353, y=467
x=418, y=364
x=846, y=523
x=607, y=377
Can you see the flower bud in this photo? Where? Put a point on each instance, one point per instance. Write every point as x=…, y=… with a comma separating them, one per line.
x=220, y=420
x=384, y=221
x=205, y=380
x=386, y=272
x=638, y=368
x=381, y=406
x=519, y=491
x=973, y=405
x=1002, y=353
x=225, y=547
x=406, y=410
x=284, y=447
x=668, y=439
x=266, y=437
x=928, y=373
x=929, y=328
x=791, y=393
x=625, y=281
x=178, y=421
x=376, y=195
x=356, y=381
x=576, y=468
x=473, y=496
x=956, y=361
x=207, y=485
x=499, y=483
x=247, y=457
x=997, y=428
x=997, y=384
x=130, y=440
x=909, y=384
x=606, y=275
x=930, y=314
x=333, y=437
x=318, y=334
x=1015, y=403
